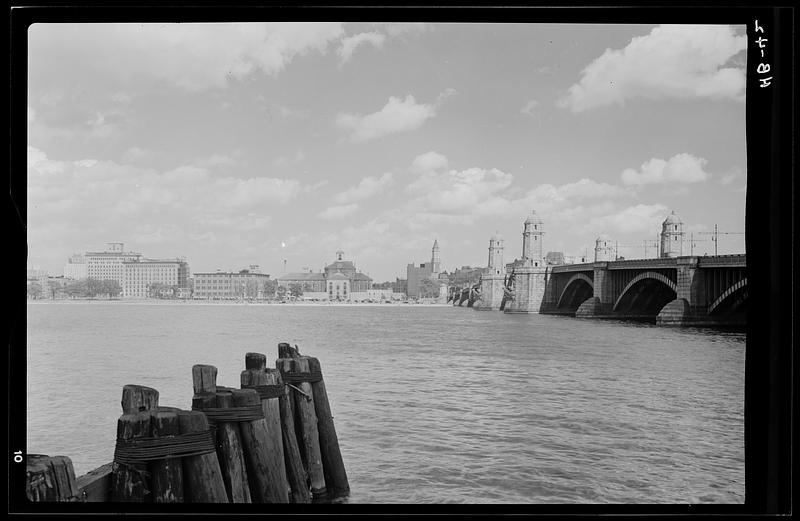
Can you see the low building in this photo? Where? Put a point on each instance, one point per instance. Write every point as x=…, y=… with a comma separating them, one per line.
x=140, y=274
x=340, y=280
x=76, y=268
x=229, y=285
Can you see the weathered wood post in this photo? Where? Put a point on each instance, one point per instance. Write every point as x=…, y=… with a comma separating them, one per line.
x=50, y=478
x=332, y=464
x=230, y=452
x=201, y=473
x=167, y=473
x=129, y=481
x=256, y=376
x=308, y=434
x=295, y=472
x=265, y=486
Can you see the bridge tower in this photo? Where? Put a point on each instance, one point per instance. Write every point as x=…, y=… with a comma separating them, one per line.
x=603, y=249
x=493, y=277
x=672, y=236
x=530, y=279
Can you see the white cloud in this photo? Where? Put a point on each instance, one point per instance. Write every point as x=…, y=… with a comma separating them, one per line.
x=530, y=108
x=633, y=219
x=135, y=155
x=351, y=43
x=366, y=188
x=186, y=55
x=680, y=168
x=429, y=161
x=673, y=61
x=398, y=115
x=456, y=191
x=337, y=212
x=215, y=161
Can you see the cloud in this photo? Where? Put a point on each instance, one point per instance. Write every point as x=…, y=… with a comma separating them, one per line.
x=216, y=161
x=454, y=191
x=135, y=155
x=189, y=56
x=673, y=61
x=679, y=169
x=530, y=108
x=337, y=212
x=351, y=43
x=72, y=202
x=732, y=175
x=639, y=218
x=366, y=188
x=398, y=115
x=428, y=162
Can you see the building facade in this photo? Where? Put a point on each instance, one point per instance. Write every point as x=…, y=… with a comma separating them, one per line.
x=426, y=270
x=140, y=274
x=229, y=285
x=76, y=268
x=339, y=281
x=109, y=264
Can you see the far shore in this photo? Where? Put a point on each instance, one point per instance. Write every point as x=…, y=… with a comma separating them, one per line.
x=171, y=302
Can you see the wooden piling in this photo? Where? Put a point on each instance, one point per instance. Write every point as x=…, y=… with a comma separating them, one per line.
x=308, y=435
x=256, y=373
x=201, y=474
x=264, y=477
x=167, y=473
x=295, y=471
x=231, y=455
x=332, y=464
x=137, y=398
x=204, y=378
x=50, y=478
x=129, y=481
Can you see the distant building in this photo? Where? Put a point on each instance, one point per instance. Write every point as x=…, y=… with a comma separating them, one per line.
x=139, y=274
x=229, y=285
x=466, y=276
x=108, y=264
x=554, y=258
x=76, y=268
x=426, y=270
x=340, y=280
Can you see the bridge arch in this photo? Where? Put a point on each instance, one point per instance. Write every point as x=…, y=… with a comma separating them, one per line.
x=576, y=278
x=645, y=276
x=742, y=284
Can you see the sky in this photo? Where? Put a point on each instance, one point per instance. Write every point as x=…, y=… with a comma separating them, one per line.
x=279, y=144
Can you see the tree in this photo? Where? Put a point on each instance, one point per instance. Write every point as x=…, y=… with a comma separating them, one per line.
x=428, y=288
x=111, y=288
x=34, y=290
x=296, y=289
x=55, y=286
x=94, y=287
x=281, y=292
x=270, y=287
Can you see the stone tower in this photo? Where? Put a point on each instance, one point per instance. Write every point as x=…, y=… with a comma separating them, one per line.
x=436, y=262
x=496, y=254
x=532, y=240
x=493, y=277
x=603, y=249
x=672, y=236
x=530, y=278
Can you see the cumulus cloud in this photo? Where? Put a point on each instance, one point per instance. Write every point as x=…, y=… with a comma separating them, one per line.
x=457, y=191
x=673, y=61
x=187, y=55
x=366, y=188
x=70, y=202
x=530, y=108
x=633, y=219
x=429, y=161
x=351, y=43
x=679, y=169
x=337, y=212
x=398, y=115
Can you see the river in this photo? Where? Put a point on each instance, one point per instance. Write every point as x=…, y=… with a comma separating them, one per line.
x=431, y=404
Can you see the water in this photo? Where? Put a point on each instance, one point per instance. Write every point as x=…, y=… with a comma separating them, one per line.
x=431, y=404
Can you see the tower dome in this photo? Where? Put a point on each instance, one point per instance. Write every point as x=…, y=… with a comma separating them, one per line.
x=533, y=218
x=672, y=219
x=497, y=237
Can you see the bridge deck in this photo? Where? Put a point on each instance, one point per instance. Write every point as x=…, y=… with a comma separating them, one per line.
x=711, y=261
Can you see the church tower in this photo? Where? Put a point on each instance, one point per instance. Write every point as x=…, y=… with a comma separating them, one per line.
x=672, y=236
x=532, y=240
x=435, y=260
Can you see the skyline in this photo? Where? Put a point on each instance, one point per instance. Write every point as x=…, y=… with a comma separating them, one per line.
x=294, y=140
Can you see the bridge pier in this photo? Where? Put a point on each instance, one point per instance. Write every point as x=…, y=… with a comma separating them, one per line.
x=530, y=283
x=491, y=294
x=601, y=303
x=689, y=306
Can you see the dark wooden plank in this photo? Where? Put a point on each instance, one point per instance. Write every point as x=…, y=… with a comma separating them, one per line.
x=95, y=486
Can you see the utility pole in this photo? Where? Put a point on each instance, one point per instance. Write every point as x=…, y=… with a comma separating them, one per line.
x=715, y=237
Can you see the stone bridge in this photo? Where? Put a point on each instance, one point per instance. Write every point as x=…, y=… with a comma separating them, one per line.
x=708, y=290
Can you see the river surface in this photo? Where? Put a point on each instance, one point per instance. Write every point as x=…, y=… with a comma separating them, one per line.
x=431, y=404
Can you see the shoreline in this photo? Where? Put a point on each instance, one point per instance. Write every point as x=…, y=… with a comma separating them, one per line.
x=191, y=302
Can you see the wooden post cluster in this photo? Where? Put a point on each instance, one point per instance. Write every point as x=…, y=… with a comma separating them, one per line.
x=308, y=408
x=50, y=478
x=194, y=478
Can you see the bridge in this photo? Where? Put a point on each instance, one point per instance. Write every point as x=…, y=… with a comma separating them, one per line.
x=708, y=290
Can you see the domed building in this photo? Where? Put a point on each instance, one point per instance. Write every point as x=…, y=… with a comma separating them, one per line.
x=338, y=281
x=672, y=236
